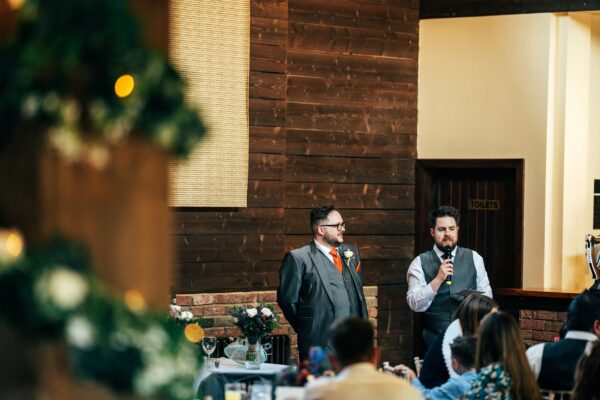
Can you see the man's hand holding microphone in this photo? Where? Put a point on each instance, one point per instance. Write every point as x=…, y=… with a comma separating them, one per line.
x=446, y=270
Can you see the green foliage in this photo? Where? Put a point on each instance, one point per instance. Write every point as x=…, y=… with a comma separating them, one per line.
x=59, y=71
x=53, y=294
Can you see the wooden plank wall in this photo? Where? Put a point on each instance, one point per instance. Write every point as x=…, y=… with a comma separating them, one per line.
x=333, y=114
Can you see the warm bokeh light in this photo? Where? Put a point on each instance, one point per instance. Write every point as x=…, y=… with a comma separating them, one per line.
x=15, y=4
x=124, y=85
x=134, y=300
x=194, y=333
x=14, y=244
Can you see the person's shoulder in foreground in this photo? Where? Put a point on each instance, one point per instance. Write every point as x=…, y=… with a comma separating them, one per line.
x=361, y=381
x=353, y=357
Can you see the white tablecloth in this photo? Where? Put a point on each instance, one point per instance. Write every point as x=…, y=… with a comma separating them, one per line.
x=230, y=367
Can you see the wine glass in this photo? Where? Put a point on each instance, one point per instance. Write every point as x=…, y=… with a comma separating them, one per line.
x=209, y=344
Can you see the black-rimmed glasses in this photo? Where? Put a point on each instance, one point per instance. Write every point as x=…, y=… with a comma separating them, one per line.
x=340, y=226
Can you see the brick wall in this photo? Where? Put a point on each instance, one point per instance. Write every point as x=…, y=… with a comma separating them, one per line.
x=214, y=308
x=540, y=326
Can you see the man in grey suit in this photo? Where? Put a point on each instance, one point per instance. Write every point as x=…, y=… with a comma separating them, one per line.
x=321, y=282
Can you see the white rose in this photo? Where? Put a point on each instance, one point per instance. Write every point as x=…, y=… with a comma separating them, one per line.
x=65, y=288
x=80, y=332
x=157, y=373
x=153, y=337
x=251, y=312
x=348, y=253
x=98, y=156
x=187, y=315
x=266, y=312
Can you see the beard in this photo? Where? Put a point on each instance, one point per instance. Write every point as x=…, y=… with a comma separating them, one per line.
x=333, y=241
x=442, y=245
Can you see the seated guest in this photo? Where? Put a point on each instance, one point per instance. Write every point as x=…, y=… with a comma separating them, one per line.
x=502, y=368
x=463, y=362
x=437, y=364
x=587, y=376
x=554, y=364
x=353, y=357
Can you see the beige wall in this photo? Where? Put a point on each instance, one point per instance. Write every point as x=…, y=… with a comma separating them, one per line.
x=517, y=87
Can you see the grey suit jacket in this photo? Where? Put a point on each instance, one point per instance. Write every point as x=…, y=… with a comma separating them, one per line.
x=305, y=296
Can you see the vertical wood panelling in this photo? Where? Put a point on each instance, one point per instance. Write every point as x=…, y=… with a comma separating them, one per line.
x=351, y=126
x=333, y=114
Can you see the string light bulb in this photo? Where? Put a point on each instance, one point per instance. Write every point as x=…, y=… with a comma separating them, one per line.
x=15, y=4
x=12, y=245
x=124, y=85
x=134, y=300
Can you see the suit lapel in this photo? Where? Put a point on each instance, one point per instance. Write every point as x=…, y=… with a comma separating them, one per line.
x=346, y=262
x=321, y=269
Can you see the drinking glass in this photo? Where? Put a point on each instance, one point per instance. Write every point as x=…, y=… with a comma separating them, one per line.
x=235, y=391
x=261, y=391
x=209, y=344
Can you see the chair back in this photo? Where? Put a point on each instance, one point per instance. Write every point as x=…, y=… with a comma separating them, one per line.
x=418, y=365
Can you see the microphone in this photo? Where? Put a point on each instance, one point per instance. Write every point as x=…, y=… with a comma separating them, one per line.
x=448, y=256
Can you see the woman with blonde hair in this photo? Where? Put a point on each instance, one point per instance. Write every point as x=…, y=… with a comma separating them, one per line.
x=503, y=369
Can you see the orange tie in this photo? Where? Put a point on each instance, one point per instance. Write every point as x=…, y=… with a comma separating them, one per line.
x=337, y=260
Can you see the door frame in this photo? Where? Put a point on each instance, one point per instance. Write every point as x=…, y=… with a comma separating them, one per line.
x=425, y=168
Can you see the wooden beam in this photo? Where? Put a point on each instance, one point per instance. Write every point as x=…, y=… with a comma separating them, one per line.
x=470, y=8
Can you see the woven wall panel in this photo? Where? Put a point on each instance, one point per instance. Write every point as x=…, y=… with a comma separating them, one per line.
x=209, y=43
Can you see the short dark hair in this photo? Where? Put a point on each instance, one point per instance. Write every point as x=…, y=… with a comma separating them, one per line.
x=583, y=311
x=463, y=348
x=442, y=211
x=320, y=214
x=352, y=340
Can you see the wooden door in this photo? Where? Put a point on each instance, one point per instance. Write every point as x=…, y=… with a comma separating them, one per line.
x=489, y=196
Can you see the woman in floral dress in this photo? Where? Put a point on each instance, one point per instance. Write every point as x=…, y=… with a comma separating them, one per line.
x=504, y=372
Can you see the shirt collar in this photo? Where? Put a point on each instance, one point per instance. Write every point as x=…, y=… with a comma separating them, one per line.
x=359, y=368
x=581, y=335
x=469, y=374
x=441, y=253
x=323, y=248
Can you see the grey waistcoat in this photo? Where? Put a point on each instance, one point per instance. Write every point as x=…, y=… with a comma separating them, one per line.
x=345, y=299
x=439, y=314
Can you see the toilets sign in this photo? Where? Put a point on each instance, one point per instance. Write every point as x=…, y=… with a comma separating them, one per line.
x=484, y=205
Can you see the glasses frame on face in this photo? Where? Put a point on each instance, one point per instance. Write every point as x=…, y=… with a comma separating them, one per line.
x=340, y=226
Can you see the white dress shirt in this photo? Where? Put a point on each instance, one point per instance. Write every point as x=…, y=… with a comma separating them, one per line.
x=420, y=293
x=325, y=250
x=535, y=353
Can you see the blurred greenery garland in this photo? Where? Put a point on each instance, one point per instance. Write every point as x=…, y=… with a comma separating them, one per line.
x=53, y=294
x=59, y=74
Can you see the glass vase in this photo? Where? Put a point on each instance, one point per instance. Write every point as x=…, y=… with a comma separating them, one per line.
x=255, y=355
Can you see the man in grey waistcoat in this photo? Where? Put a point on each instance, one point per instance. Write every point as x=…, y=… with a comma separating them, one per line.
x=321, y=282
x=436, y=277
